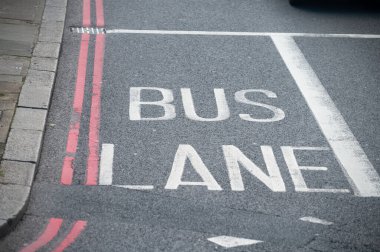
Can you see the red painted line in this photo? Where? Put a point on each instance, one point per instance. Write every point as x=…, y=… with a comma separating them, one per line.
x=73, y=135
x=93, y=137
x=49, y=233
x=76, y=230
x=99, y=13
x=86, y=13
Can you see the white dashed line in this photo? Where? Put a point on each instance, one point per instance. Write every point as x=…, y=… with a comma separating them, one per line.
x=316, y=220
x=106, y=163
x=136, y=187
x=231, y=242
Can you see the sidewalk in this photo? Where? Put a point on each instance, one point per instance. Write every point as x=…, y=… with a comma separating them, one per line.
x=30, y=40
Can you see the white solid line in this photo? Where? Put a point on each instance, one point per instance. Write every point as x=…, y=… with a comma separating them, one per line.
x=255, y=34
x=106, y=163
x=354, y=162
x=136, y=187
x=316, y=220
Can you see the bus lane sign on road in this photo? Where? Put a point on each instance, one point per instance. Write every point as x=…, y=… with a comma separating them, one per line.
x=204, y=130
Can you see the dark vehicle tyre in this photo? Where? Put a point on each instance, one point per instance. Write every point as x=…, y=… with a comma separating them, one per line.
x=295, y=2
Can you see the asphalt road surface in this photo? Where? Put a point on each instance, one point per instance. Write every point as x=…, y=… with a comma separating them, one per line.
x=207, y=125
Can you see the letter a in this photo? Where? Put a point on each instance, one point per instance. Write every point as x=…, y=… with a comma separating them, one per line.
x=184, y=152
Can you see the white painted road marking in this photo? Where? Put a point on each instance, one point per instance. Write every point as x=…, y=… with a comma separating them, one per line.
x=221, y=103
x=361, y=174
x=234, y=157
x=183, y=153
x=252, y=34
x=295, y=170
x=106, y=170
x=222, y=108
x=106, y=163
x=316, y=220
x=231, y=242
x=136, y=187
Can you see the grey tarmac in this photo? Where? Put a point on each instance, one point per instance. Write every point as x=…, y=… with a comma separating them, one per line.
x=206, y=201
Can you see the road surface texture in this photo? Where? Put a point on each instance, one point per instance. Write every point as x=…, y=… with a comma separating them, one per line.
x=207, y=125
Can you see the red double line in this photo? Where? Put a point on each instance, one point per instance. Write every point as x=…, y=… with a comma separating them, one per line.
x=73, y=135
x=51, y=232
x=93, y=137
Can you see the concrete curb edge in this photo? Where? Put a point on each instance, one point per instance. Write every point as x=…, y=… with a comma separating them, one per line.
x=24, y=142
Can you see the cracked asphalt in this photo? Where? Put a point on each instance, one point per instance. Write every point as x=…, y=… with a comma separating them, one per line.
x=185, y=217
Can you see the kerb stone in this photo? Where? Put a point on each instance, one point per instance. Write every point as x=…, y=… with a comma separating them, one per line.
x=17, y=173
x=23, y=145
x=29, y=118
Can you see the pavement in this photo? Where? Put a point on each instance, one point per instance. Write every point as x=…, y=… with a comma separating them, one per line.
x=208, y=126
x=30, y=40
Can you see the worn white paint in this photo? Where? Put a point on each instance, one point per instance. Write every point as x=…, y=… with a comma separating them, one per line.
x=183, y=153
x=361, y=174
x=234, y=157
x=316, y=220
x=295, y=170
x=253, y=34
x=136, y=187
x=165, y=103
x=232, y=242
x=223, y=111
x=106, y=164
x=278, y=114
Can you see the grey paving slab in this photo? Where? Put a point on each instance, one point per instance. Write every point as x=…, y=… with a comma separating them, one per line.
x=23, y=145
x=54, y=13
x=44, y=64
x=51, y=31
x=46, y=49
x=5, y=122
x=11, y=78
x=17, y=39
x=19, y=173
x=21, y=10
x=10, y=87
x=35, y=97
x=8, y=101
x=17, y=48
x=29, y=118
x=18, y=32
x=39, y=78
x=13, y=65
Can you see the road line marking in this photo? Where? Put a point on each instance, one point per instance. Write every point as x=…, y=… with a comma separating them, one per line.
x=359, y=171
x=72, y=138
x=99, y=13
x=231, y=242
x=86, y=13
x=76, y=230
x=252, y=34
x=47, y=236
x=93, y=135
x=316, y=220
x=76, y=114
x=136, y=187
x=106, y=163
